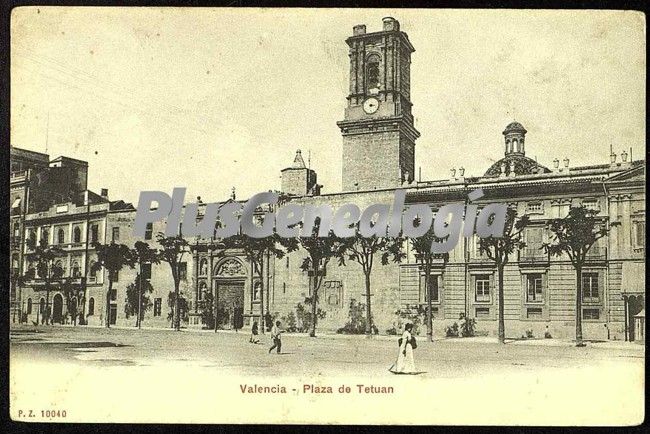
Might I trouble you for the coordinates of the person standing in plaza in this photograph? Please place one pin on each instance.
(405, 363)
(254, 332)
(276, 337)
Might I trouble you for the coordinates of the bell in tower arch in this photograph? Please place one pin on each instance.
(372, 74)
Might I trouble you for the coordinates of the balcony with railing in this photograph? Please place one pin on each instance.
(534, 255)
(18, 176)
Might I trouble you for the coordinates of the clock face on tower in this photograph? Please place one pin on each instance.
(370, 105)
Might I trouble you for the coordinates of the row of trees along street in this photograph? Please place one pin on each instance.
(572, 236)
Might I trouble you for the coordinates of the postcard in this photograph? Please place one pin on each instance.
(327, 216)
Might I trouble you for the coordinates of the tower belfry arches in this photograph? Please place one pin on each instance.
(378, 128)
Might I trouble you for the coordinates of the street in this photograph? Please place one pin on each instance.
(163, 375)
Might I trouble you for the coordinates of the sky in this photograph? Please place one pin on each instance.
(211, 99)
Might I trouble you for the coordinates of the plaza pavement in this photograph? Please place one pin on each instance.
(538, 381)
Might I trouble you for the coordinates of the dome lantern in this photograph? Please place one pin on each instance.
(514, 136)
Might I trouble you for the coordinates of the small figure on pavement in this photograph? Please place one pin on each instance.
(276, 337)
(405, 363)
(254, 332)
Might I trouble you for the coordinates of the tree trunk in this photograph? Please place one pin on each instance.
(427, 288)
(177, 316)
(108, 303)
(502, 325)
(262, 318)
(368, 309)
(312, 333)
(46, 314)
(579, 342)
(139, 320)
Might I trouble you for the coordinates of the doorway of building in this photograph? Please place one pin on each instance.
(230, 303)
(635, 304)
(57, 309)
(113, 316)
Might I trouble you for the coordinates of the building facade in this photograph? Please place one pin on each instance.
(379, 137)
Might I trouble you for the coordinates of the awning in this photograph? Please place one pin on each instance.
(16, 203)
(633, 278)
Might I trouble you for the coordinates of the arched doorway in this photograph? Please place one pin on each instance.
(229, 282)
(57, 308)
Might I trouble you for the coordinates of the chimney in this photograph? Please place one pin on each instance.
(390, 24)
(104, 193)
(359, 29)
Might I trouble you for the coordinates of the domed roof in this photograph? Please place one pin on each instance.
(514, 126)
(522, 166)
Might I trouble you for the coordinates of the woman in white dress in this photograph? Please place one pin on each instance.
(405, 363)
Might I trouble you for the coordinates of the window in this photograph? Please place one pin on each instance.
(116, 234)
(58, 268)
(148, 232)
(639, 234)
(591, 313)
(534, 312)
(203, 269)
(91, 306)
(482, 312)
(116, 275)
(433, 287)
(534, 240)
(94, 233)
(45, 235)
(41, 305)
(182, 270)
(16, 229)
(482, 286)
(76, 235)
(60, 236)
(534, 207)
(113, 294)
(284, 287)
(93, 272)
(287, 266)
(157, 306)
(534, 288)
(29, 306)
(32, 236)
(257, 286)
(146, 271)
(76, 270)
(590, 287)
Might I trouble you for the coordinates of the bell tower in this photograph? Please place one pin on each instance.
(378, 131)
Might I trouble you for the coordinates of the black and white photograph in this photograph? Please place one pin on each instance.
(327, 216)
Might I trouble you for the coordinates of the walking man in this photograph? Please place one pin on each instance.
(275, 336)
